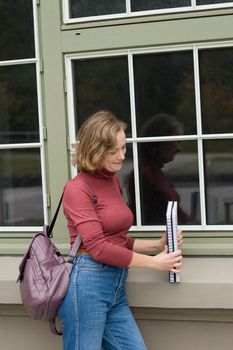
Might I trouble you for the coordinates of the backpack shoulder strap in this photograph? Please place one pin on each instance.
(49, 229)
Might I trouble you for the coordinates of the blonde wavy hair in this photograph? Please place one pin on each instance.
(96, 136)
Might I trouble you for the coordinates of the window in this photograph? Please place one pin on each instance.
(22, 181)
(86, 10)
(177, 102)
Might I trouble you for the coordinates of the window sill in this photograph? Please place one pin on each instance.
(205, 284)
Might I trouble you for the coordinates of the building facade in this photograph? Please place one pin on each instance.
(148, 62)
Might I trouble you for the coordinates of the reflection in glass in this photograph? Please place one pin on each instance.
(139, 5)
(86, 8)
(216, 80)
(20, 188)
(164, 83)
(123, 174)
(18, 104)
(218, 155)
(102, 83)
(165, 174)
(209, 2)
(16, 28)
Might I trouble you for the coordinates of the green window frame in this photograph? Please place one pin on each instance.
(201, 136)
(23, 174)
(158, 30)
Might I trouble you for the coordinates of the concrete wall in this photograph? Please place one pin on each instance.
(195, 314)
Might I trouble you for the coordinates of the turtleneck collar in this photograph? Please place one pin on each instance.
(105, 174)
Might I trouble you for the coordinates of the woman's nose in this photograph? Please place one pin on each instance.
(121, 155)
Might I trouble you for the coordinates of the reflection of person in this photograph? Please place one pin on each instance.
(95, 310)
(156, 189)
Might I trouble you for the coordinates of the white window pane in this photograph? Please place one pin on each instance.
(209, 2)
(87, 8)
(20, 188)
(218, 155)
(125, 172)
(168, 170)
(139, 5)
(165, 91)
(16, 28)
(18, 104)
(216, 82)
(164, 83)
(102, 83)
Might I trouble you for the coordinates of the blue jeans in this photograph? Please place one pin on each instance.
(94, 312)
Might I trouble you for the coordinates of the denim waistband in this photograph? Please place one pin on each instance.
(86, 262)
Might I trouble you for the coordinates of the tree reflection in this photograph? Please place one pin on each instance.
(216, 84)
(17, 31)
(18, 104)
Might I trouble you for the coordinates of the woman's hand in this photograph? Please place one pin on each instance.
(168, 261)
(163, 261)
(154, 246)
(163, 239)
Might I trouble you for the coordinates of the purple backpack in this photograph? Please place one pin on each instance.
(44, 275)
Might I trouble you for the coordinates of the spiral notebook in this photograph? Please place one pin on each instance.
(171, 219)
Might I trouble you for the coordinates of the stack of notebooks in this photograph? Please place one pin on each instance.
(171, 219)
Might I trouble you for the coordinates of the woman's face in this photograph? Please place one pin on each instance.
(113, 158)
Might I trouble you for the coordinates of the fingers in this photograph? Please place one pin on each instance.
(169, 261)
(179, 238)
(176, 253)
(176, 262)
(175, 270)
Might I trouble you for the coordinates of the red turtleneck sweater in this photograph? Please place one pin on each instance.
(103, 226)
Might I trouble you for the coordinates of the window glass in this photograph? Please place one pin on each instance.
(165, 107)
(216, 80)
(139, 5)
(209, 2)
(164, 83)
(129, 185)
(16, 28)
(20, 188)
(90, 8)
(126, 170)
(86, 8)
(218, 155)
(18, 104)
(102, 83)
(168, 170)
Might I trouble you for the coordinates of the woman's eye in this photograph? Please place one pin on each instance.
(114, 151)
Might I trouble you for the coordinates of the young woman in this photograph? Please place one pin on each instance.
(95, 311)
